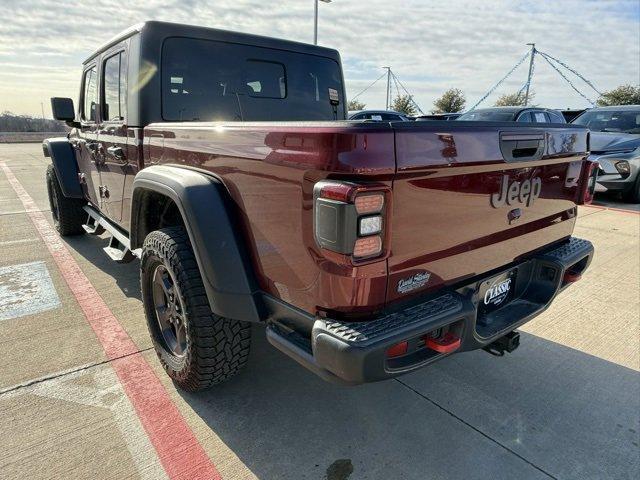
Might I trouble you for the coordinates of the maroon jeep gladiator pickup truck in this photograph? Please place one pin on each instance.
(223, 161)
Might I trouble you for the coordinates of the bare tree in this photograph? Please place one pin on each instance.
(10, 122)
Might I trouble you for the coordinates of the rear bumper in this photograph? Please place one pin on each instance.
(356, 352)
(615, 182)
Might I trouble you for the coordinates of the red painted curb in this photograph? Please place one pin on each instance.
(179, 451)
(613, 209)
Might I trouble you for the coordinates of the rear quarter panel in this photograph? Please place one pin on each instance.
(269, 170)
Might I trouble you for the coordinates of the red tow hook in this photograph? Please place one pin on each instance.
(570, 277)
(447, 343)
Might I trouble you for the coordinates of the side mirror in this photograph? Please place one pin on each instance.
(62, 109)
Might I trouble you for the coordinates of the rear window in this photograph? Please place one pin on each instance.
(205, 80)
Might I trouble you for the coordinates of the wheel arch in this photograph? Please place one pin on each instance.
(63, 157)
(163, 195)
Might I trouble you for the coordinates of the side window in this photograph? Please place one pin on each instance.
(540, 117)
(114, 88)
(524, 117)
(556, 117)
(90, 95)
(266, 79)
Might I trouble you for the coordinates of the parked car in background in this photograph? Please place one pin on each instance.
(615, 144)
(514, 114)
(570, 114)
(437, 116)
(378, 116)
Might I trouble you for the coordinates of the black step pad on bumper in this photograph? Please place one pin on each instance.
(365, 333)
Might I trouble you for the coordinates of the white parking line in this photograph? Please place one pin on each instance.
(105, 391)
(8, 243)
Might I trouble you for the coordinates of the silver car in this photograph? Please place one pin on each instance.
(615, 144)
(378, 116)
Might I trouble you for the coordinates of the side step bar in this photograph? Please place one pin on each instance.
(118, 249)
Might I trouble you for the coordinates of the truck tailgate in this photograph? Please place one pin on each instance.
(472, 197)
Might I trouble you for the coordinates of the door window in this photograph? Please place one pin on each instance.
(389, 117)
(524, 118)
(556, 117)
(90, 95)
(114, 88)
(540, 117)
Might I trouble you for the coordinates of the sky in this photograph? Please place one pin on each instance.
(431, 45)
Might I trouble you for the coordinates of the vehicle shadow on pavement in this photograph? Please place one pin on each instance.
(126, 275)
(544, 410)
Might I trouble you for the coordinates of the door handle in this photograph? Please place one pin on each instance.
(517, 147)
(116, 152)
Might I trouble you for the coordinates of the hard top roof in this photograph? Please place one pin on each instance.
(168, 29)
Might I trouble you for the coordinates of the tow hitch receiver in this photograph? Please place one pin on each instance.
(508, 343)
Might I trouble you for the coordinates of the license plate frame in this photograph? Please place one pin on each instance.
(502, 292)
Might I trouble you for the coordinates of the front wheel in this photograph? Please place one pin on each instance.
(68, 213)
(196, 347)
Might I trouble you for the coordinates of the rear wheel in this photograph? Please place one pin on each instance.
(68, 214)
(633, 195)
(196, 347)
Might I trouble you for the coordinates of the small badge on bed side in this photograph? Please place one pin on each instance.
(414, 282)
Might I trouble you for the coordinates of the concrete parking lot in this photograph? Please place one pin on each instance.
(80, 398)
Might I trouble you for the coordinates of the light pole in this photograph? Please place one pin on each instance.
(315, 20)
(533, 54)
(388, 86)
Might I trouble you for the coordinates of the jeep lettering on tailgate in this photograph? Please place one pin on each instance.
(525, 192)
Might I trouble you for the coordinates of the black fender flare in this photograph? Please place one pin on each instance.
(63, 157)
(208, 215)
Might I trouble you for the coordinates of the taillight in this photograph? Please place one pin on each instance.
(588, 180)
(367, 247)
(370, 203)
(349, 218)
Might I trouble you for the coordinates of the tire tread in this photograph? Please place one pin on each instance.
(218, 348)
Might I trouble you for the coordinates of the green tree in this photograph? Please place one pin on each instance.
(355, 105)
(622, 95)
(403, 104)
(514, 99)
(451, 101)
